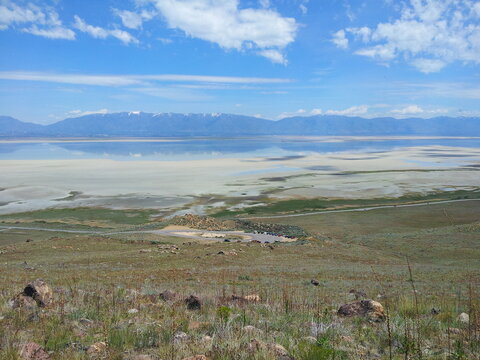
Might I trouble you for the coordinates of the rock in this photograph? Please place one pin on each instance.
(463, 318)
(314, 282)
(371, 309)
(193, 303)
(38, 291)
(277, 350)
(22, 301)
(168, 295)
(33, 351)
(180, 337)
(196, 357)
(97, 349)
(133, 311)
(435, 311)
(207, 340)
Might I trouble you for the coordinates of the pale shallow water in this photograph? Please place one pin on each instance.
(275, 148)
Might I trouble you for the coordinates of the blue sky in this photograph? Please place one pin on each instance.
(269, 58)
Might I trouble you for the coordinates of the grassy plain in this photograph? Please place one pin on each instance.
(97, 279)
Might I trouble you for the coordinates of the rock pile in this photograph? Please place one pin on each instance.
(36, 293)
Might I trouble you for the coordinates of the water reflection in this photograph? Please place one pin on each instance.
(183, 149)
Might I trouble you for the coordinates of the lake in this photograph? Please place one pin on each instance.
(211, 148)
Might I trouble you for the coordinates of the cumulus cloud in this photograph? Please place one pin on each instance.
(351, 111)
(340, 39)
(32, 19)
(133, 20)
(102, 33)
(411, 109)
(417, 110)
(222, 22)
(429, 34)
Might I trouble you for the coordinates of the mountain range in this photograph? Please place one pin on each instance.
(140, 124)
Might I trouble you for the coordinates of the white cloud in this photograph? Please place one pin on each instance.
(299, 112)
(351, 111)
(224, 23)
(274, 55)
(128, 80)
(58, 32)
(133, 20)
(78, 113)
(363, 33)
(303, 6)
(32, 19)
(411, 109)
(417, 110)
(101, 33)
(303, 9)
(165, 41)
(340, 39)
(429, 34)
(76, 79)
(476, 9)
(428, 65)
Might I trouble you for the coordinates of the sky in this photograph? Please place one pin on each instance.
(265, 58)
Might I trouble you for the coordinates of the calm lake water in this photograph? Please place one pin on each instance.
(211, 148)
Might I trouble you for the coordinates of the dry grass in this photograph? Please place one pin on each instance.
(101, 278)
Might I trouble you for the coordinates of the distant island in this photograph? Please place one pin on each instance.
(140, 124)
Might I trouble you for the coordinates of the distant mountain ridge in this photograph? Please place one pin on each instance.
(140, 124)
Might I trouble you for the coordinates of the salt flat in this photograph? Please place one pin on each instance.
(173, 185)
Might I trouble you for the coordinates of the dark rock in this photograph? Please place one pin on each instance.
(36, 293)
(39, 291)
(435, 311)
(193, 303)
